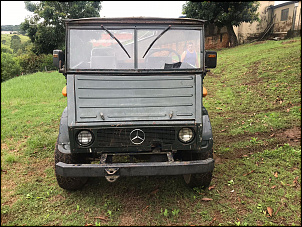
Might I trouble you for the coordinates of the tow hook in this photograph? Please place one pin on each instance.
(111, 172)
(170, 157)
(111, 177)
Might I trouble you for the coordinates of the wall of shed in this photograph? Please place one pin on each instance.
(284, 26)
(246, 32)
(217, 38)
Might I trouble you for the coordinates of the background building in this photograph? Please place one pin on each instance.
(283, 20)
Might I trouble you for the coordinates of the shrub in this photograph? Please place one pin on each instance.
(10, 66)
(5, 49)
(31, 63)
(47, 62)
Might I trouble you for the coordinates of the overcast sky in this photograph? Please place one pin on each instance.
(14, 12)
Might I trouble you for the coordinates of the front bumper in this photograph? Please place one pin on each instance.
(135, 169)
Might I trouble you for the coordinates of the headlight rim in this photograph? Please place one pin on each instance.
(189, 141)
(84, 145)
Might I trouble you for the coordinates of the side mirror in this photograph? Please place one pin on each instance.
(58, 58)
(211, 59)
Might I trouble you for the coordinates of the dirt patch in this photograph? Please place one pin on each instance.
(210, 74)
(128, 220)
(291, 136)
(57, 198)
(4, 146)
(289, 41)
(252, 74)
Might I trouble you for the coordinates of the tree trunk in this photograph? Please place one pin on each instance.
(232, 36)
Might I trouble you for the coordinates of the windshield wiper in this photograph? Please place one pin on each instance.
(113, 37)
(163, 32)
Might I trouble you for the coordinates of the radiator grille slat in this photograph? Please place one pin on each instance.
(121, 137)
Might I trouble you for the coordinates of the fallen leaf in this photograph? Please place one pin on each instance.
(212, 221)
(102, 218)
(270, 211)
(276, 174)
(145, 208)
(278, 209)
(248, 173)
(295, 182)
(154, 192)
(206, 199)
(211, 187)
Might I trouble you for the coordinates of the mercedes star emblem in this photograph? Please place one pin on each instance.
(137, 136)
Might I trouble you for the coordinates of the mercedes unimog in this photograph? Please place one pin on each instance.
(135, 92)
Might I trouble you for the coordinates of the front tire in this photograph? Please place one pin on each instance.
(202, 180)
(69, 183)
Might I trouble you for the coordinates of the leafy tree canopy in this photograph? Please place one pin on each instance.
(10, 27)
(221, 14)
(46, 27)
(15, 43)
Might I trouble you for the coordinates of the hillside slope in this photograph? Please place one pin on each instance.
(254, 104)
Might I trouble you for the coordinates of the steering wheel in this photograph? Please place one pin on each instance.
(152, 51)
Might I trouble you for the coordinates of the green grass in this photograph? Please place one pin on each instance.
(254, 104)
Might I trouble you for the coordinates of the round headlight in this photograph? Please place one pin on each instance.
(84, 138)
(186, 135)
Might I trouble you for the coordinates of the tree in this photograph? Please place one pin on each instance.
(15, 43)
(46, 27)
(221, 14)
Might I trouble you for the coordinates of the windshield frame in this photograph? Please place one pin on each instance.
(135, 28)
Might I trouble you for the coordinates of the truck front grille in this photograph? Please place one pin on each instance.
(120, 137)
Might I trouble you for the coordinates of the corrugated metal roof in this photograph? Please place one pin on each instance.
(284, 4)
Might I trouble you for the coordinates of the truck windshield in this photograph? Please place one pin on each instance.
(115, 49)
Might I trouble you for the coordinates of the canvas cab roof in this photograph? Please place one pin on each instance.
(135, 20)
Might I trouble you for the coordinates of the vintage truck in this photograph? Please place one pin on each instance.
(134, 90)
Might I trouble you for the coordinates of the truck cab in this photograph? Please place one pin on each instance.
(134, 101)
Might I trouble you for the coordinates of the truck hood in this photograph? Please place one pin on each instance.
(104, 98)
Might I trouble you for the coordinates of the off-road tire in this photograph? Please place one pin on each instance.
(69, 183)
(202, 180)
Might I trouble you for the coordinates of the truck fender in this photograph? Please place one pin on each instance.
(207, 135)
(63, 137)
